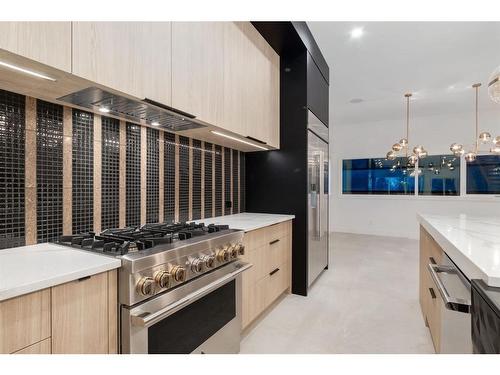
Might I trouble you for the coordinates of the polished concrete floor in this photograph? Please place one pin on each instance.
(367, 302)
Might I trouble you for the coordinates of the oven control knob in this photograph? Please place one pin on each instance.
(209, 260)
(162, 278)
(223, 254)
(179, 273)
(145, 286)
(233, 251)
(197, 265)
(241, 249)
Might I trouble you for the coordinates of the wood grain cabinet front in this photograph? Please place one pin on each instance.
(42, 347)
(131, 57)
(251, 84)
(198, 69)
(81, 312)
(24, 321)
(430, 301)
(45, 42)
(269, 250)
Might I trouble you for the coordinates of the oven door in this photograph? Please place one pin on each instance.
(202, 316)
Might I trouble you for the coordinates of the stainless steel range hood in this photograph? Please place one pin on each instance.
(146, 110)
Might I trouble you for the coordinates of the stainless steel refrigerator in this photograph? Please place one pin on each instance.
(317, 192)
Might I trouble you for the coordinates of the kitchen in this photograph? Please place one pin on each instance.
(228, 187)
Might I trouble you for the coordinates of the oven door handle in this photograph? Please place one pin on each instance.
(147, 319)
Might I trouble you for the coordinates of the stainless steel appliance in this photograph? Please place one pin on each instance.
(485, 315)
(179, 286)
(455, 292)
(318, 192)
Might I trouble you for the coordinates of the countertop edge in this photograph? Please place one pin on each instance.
(58, 280)
(263, 225)
(464, 263)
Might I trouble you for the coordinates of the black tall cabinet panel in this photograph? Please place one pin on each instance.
(317, 91)
(276, 181)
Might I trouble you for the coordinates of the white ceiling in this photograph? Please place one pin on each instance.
(437, 61)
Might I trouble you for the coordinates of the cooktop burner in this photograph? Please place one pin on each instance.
(120, 241)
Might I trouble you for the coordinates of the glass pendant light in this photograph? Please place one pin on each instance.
(496, 140)
(419, 151)
(397, 147)
(494, 85)
(484, 137)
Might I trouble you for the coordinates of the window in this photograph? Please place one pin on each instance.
(439, 175)
(377, 176)
(483, 175)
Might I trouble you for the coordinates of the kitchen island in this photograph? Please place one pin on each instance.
(471, 242)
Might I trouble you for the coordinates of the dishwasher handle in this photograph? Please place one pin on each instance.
(450, 302)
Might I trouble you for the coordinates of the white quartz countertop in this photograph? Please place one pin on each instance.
(247, 221)
(27, 269)
(472, 243)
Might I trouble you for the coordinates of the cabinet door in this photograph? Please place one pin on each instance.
(45, 42)
(131, 57)
(251, 84)
(198, 69)
(24, 321)
(317, 91)
(80, 316)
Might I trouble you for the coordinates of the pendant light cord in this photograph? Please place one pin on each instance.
(476, 143)
(407, 123)
(477, 122)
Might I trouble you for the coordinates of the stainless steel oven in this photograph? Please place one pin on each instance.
(202, 316)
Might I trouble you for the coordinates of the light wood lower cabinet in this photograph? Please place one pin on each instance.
(269, 250)
(430, 301)
(77, 317)
(24, 320)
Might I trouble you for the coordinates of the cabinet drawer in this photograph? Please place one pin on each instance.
(24, 320)
(255, 239)
(433, 311)
(42, 347)
(278, 252)
(277, 283)
(259, 261)
(278, 231)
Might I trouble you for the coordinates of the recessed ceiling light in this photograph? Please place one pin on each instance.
(104, 109)
(26, 71)
(357, 32)
(238, 140)
(155, 123)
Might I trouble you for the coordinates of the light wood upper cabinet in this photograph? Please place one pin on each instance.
(46, 42)
(251, 84)
(131, 57)
(80, 316)
(198, 70)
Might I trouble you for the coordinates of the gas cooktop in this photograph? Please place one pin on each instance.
(121, 241)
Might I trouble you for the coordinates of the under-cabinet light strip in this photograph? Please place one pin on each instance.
(26, 71)
(238, 140)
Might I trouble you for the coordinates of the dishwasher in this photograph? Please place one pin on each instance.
(455, 292)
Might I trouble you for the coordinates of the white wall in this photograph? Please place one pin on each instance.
(396, 215)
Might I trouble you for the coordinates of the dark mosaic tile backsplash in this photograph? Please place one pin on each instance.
(49, 173)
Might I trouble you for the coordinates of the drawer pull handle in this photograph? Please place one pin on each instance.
(273, 271)
(432, 260)
(84, 278)
(433, 294)
(273, 242)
